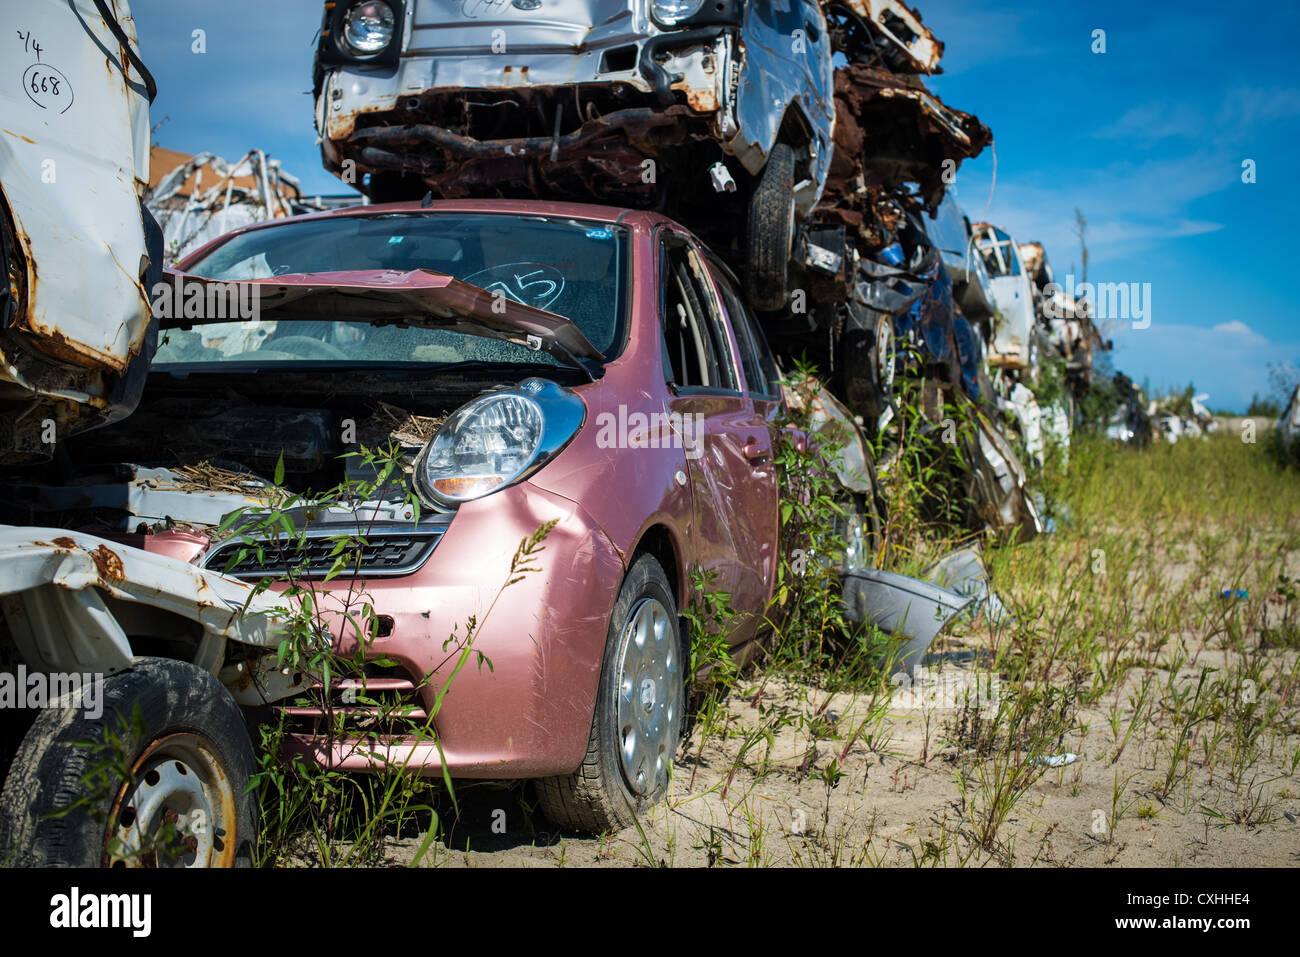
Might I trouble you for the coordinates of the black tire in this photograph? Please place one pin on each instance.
(771, 231)
(597, 796)
(866, 355)
(183, 709)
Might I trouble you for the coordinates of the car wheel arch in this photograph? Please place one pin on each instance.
(659, 541)
(796, 131)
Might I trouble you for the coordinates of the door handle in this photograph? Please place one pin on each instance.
(755, 452)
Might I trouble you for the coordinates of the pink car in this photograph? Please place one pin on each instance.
(590, 366)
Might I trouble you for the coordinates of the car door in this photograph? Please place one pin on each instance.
(763, 387)
(788, 64)
(729, 463)
(1011, 338)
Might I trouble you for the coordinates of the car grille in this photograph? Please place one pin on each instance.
(382, 554)
(385, 701)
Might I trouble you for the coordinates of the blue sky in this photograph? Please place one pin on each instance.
(1147, 139)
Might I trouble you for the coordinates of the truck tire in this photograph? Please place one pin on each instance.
(190, 758)
(637, 724)
(771, 231)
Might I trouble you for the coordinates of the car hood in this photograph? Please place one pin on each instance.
(420, 298)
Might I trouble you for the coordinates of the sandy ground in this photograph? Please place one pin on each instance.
(763, 798)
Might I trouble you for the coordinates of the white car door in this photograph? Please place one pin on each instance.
(1015, 300)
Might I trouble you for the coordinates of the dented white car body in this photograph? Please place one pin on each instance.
(70, 600)
(1012, 343)
(78, 247)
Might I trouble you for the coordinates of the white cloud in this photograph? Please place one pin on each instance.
(1236, 327)
(1241, 111)
(1131, 204)
(1230, 360)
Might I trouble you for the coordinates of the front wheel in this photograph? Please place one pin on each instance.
(637, 725)
(186, 802)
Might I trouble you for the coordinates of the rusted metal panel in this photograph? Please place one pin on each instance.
(901, 26)
(73, 165)
(889, 127)
(54, 583)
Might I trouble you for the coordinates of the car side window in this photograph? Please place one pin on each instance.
(761, 373)
(695, 342)
(1011, 261)
(999, 253)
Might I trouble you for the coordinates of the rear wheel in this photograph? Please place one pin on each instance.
(638, 719)
(771, 231)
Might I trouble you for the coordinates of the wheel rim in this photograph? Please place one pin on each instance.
(178, 780)
(855, 539)
(649, 698)
(885, 355)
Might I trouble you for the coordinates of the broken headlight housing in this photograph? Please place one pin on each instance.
(368, 27)
(672, 12)
(497, 440)
(697, 13)
(361, 31)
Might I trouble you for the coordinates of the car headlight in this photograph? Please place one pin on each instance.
(670, 12)
(496, 440)
(368, 27)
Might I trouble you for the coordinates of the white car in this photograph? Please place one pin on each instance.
(76, 335)
(78, 612)
(1012, 344)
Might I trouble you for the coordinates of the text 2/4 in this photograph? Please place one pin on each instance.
(30, 44)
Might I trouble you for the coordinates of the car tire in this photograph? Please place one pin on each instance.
(637, 725)
(771, 231)
(190, 752)
(870, 357)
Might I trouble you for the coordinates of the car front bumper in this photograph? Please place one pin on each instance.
(542, 628)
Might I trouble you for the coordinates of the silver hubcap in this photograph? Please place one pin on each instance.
(178, 782)
(649, 698)
(855, 540)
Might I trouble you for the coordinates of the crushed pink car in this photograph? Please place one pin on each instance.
(588, 366)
